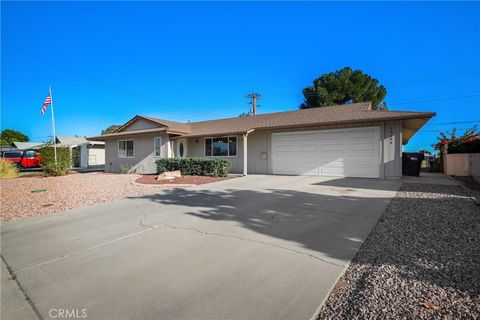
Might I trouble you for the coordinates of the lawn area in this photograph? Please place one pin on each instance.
(421, 260)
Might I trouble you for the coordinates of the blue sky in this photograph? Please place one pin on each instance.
(107, 61)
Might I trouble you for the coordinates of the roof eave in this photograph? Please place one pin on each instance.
(126, 133)
(218, 134)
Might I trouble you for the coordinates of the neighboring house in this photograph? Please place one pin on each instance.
(345, 141)
(70, 141)
(7, 148)
(92, 153)
(27, 145)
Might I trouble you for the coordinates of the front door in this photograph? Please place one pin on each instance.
(181, 148)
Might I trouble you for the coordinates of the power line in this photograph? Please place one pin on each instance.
(434, 77)
(102, 83)
(456, 122)
(448, 95)
(444, 130)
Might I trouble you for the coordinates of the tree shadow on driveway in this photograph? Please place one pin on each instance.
(335, 226)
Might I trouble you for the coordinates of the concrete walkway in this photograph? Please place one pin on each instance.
(256, 247)
(14, 303)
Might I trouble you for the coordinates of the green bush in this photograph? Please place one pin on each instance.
(76, 157)
(48, 160)
(195, 166)
(7, 169)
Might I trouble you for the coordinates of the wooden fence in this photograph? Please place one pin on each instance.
(462, 164)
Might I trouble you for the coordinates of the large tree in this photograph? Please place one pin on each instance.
(111, 129)
(342, 87)
(8, 136)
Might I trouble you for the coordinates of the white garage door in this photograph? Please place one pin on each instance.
(341, 152)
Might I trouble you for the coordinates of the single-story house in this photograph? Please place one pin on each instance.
(345, 141)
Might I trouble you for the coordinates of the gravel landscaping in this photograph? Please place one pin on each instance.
(421, 261)
(185, 180)
(64, 193)
(472, 184)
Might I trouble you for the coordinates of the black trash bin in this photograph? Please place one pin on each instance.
(411, 163)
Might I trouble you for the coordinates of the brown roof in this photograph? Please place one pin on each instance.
(342, 114)
(169, 125)
(353, 113)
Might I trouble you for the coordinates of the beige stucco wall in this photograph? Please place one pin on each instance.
(392, 149)
(196, 148)
(143, 160)
(141, 124)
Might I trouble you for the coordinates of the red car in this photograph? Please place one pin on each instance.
(23, 159)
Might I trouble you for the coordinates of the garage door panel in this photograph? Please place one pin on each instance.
(332, 171)
(362, 147)
(342, 152)
(361, 134)
(325, 159)
(325, 148)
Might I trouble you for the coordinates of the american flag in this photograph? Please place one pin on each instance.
(47, 101)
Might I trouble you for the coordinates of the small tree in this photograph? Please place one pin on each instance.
(111, 129)
(342, 87)
(49, 167)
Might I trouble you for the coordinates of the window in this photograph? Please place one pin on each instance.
(157, 146)
(125, 148)
(221, 147)
(30, 154)
(12, 155)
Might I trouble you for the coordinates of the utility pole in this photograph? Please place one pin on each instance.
(253, 103)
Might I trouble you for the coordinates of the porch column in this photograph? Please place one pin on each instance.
(245, 145)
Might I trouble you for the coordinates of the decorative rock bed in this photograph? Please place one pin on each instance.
(421, 261)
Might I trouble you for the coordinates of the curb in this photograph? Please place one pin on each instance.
(164, 185)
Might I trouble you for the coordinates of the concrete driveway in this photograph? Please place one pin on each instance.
(256, 247)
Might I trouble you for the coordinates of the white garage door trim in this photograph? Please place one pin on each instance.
(353, 152)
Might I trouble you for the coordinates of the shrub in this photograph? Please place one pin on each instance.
(469, 142)
(125, 168)
(76, 157)
(195, 166)
(7, 169)
(48, 160)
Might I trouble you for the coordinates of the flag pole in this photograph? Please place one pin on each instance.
(53, 126)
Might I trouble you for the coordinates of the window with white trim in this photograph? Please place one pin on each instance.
(157, 146)
(125, 149)
(221, 147)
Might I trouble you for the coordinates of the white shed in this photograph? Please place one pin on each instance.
(92, 153)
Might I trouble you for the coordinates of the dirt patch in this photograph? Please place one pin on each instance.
(66, 192)
(152, 179)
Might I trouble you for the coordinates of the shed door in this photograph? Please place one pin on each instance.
(341, 152)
